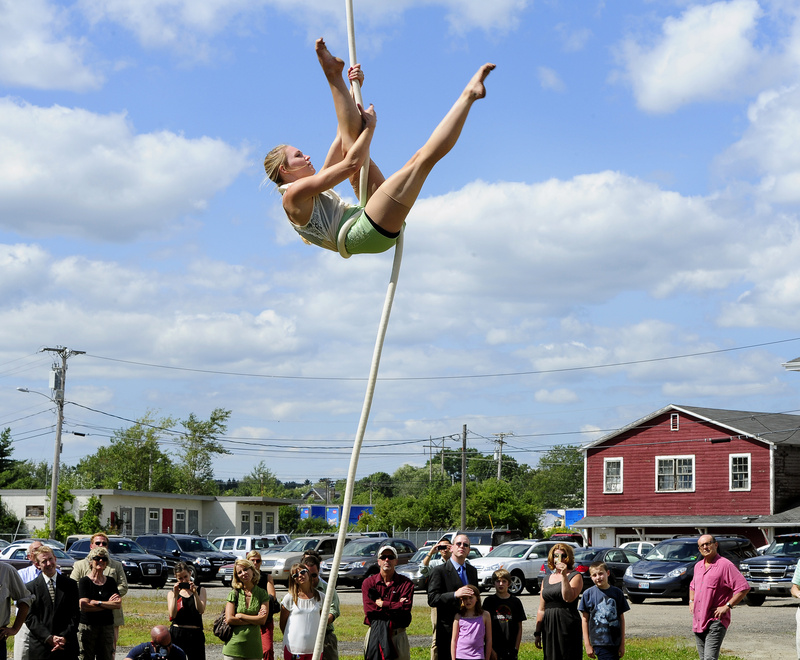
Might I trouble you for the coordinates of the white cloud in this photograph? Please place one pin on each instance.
(706, 54)
(72, 172)
(573, 39)
(549, 79)
(557, 396)
(35, 52)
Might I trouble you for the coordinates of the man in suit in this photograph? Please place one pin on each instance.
(21, 648)
(446, 587)
(54, 615)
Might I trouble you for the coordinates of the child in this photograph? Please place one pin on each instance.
(507, 614)
(472, 630)
(603, 608)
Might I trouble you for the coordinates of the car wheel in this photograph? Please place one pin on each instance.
(756, 600)
(516, 584)
(193, 575)
(636, 600)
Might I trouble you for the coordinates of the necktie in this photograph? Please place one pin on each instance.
(51, 585)
(462, 573)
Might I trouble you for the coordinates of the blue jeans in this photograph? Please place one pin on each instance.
(606, 652)
(709, 642)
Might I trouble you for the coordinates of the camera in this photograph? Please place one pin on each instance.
(185, 585)
(159, 654)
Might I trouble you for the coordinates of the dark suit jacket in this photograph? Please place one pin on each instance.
(47, 618)
(442, 585)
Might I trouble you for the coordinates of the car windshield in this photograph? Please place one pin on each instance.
(420, 555)
(585, 554)
(509, 550)
(780, 546)
(674, 551)
(196, 545)
(123, 547)
(362, 548)
(300, 545)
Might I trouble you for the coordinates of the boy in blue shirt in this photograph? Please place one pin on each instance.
(603, 608)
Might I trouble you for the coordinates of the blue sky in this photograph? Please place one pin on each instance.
(628, 191)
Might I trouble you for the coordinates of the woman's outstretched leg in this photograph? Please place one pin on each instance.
(347, 114)
(391, 202)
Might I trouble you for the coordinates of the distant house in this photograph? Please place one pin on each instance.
(690, 470)
(132, 513)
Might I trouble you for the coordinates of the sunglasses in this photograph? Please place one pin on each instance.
(101, 559)
(101, 543)
(461, 544)
(313, 575)
(256, 561)
(302, 571)
(387, 558)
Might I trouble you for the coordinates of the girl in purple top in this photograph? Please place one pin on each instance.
(472, 629)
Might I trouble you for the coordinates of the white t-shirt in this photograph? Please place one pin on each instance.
(302, 624)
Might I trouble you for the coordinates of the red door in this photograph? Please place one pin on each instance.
(166, 521)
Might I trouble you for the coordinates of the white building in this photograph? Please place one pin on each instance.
(134, 512)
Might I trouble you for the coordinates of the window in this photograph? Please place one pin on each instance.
(740, 471)
(612, 475)
(34, 510)
(674, 422)
(674, 473)
(245, 522)
(269, 523)
(256, 522)
(152, 523)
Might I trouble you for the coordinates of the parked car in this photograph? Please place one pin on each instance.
(618, 561)
(770, 574)
(279, 563)
(573, 537)
(241, 545)
(140, 567)
(360, 559)
(486, 541)
(412, 569)
(520, 558)
(202, 557)
(666, 571)
(17, 554)
(639, 547)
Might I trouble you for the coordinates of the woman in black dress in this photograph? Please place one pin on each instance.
(558, 624)
(99, 596)
(186, 604)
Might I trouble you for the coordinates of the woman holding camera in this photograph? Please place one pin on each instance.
(99, 597)
(185, 605)
(558, 625)
(246, 611)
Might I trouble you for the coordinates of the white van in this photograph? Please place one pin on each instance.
(241, 545)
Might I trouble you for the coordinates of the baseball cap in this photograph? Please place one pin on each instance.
(387, 548)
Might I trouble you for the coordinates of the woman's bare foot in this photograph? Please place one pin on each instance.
(475, 89)
(331, 66)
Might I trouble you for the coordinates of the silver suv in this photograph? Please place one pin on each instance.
(279, 563)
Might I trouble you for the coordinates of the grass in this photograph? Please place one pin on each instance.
(149, 608)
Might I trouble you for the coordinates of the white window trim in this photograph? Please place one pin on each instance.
(675, 458)
(606, 461)
(675, 422)
(749, 472)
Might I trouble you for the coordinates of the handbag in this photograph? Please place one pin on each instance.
(274, 606)
(222, 628)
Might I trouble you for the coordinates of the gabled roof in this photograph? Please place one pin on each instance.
(769, 428)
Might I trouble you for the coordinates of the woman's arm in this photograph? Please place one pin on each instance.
(571, 587)
(284, 618)
(172, 603)
(537, 632)
(200, 599)
(487, 645)
(454, 638)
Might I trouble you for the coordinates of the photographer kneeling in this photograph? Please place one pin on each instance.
(159, 648)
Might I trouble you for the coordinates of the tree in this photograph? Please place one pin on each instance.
(199, 445)
(260, 482)
(66, 523)
(375, 486)
(133, 458)
(20, 474)
(288, 517)
(9, 523)
(90, 520)
(557, 482)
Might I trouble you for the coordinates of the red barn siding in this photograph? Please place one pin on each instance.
(711, 496)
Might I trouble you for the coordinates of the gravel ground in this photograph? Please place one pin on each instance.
(756, 633)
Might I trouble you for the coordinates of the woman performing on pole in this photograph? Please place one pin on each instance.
(317, 213)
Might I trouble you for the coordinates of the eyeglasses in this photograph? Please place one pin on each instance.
(302, 571)
(461, 544)
(101, 559)
(100, 543)
(387, 558)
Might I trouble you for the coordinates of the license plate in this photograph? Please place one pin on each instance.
(644, 585)
(151, 571)
(763, 587)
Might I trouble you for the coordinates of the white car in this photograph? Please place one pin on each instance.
(639, 547)
(522, 559)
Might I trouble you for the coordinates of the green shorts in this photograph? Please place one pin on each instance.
(365, 237)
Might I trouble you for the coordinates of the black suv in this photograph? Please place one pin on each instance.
(666, 571)
(360, 559)
(203, 558)
(140, 567)
(771, 574)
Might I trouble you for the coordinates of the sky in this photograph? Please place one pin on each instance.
(616, 230)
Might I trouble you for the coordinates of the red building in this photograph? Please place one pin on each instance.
(687, 470)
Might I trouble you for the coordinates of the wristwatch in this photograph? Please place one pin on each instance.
(730, 605)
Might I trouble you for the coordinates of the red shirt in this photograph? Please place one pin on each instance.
(390, 594)
(713, 586)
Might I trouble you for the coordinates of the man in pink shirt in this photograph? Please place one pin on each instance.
(717, 586)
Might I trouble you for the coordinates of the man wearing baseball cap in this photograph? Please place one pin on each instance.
(388, 598)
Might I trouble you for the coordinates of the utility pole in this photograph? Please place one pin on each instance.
(58, 382)
(499, 452)
(464, 478)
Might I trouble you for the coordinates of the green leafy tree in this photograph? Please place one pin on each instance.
(288, 518)
(314, 526)
(133, 457)
(199, 444)
(376, 486)
(9, 523)
(66, 523)
(90, 520)
(409, 480)
(260, 482)
(557, 481)
(32, 475)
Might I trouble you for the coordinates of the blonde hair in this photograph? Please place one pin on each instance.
(273, 162)
(253, 554)
(235, 582)
(294, 588)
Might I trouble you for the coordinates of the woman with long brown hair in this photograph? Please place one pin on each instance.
(300, 612)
